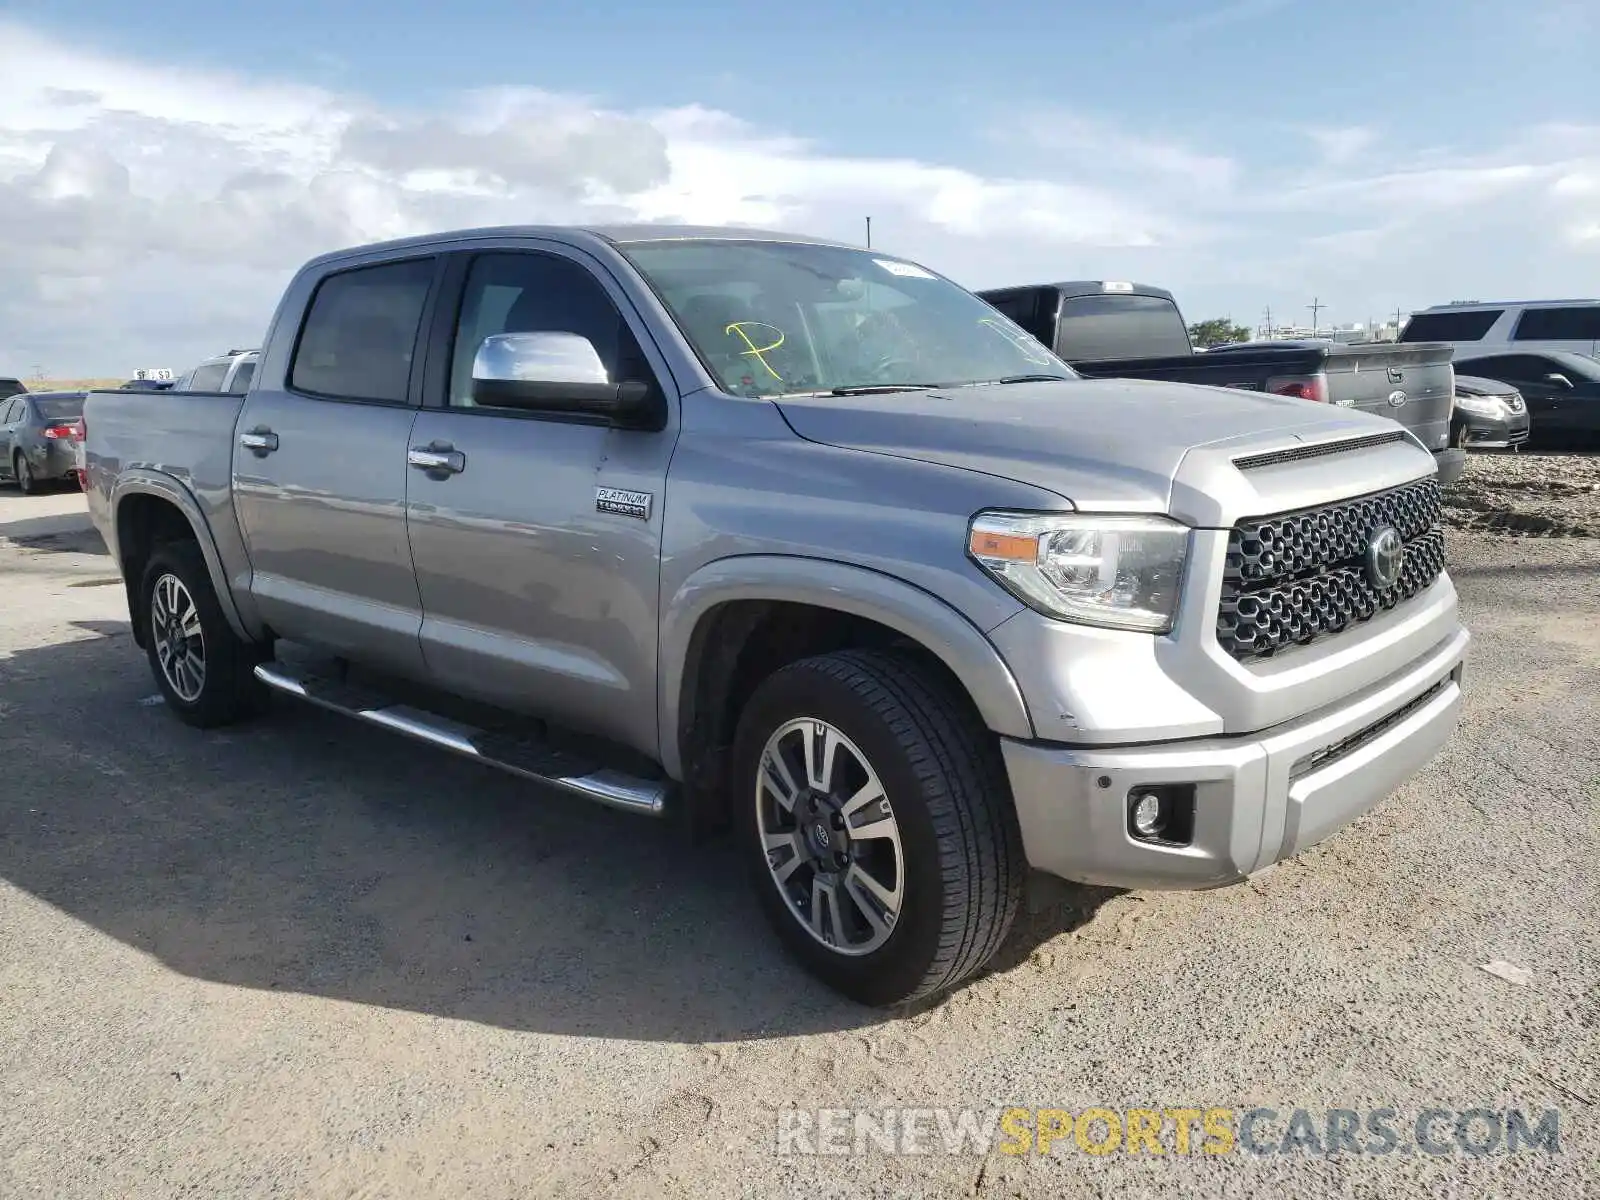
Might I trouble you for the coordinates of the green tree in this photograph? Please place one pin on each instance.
(1217, 332)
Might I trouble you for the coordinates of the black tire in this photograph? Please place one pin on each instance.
(941, 771)
(229, 691)
(22, 472)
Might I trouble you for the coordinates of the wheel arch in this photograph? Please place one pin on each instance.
(788, 608)
(147, 509)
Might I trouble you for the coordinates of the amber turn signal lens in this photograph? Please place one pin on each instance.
(1014, 547)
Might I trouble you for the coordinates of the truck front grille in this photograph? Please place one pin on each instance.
(1294, 577)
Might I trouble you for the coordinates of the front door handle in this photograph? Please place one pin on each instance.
(438, 459)
(260, 441)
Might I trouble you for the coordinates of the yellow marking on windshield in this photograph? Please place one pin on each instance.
(756, 352)
(1027, 345)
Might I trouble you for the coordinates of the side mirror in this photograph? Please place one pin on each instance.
(1558, 379)
(558, 373)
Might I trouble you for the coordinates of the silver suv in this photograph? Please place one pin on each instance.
(1476, 329)
(230, 372)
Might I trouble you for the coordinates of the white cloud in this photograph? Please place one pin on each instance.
(149, 218)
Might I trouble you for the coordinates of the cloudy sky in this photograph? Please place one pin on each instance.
(165, 166)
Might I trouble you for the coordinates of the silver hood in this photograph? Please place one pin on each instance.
(1104, 445)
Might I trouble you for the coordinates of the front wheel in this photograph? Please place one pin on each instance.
(877, 822)
(22, 472)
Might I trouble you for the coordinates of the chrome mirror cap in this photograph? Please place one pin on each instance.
(538, 358)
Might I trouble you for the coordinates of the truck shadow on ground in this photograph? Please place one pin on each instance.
(62, 534)
(306, 853)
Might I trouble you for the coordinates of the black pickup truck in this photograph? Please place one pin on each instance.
(1115, 330)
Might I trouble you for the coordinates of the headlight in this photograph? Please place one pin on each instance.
(1116, 572)
(1483, 406)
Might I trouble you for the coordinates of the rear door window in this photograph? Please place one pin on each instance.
(1120, 326)
(1577, 324)
(1469, 326)
(360, 333)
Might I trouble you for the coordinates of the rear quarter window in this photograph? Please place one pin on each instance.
(1578, 324)
(1450, 326)
(242, 377)
(208, 377)
(1032, 309)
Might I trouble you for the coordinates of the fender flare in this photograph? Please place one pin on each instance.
(139, 481)
(860, 591)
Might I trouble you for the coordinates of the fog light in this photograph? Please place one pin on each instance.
(1149, 817)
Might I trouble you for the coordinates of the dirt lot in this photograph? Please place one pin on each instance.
(304, 958)
(1537, 495)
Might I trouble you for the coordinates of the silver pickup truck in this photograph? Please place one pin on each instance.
(806, 540)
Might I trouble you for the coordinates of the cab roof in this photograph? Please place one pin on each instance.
(621, 234)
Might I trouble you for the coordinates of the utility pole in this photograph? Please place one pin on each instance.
(1315, 306)
(1267, 334)
(38, 371)
(869, 233)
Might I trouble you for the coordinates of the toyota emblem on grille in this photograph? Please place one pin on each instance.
(1396, 375)
(1385, 556)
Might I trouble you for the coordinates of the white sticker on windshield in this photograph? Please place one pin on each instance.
(908, 270)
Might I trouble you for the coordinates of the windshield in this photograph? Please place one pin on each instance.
(59, 408)
(780, 318)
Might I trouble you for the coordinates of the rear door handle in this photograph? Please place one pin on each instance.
(260, 441)
(438, 459)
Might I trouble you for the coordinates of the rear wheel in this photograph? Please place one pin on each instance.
(204, 669)
(876, 819)
(22, 472)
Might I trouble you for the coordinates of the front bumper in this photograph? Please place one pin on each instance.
(1477, 432)
(1258, 799)
(1452, 464)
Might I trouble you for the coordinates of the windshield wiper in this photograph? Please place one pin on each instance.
(1035, 379)
(878, 389)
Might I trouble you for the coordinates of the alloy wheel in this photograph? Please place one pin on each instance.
(180, 644)
(829, 833)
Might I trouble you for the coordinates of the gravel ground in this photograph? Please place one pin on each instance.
(1530, 495)
(305, 958)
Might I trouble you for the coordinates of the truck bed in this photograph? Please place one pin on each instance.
(1412, 385)
(1249, 369)
(187, 436)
